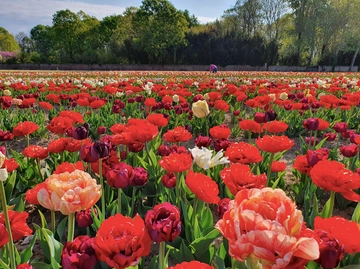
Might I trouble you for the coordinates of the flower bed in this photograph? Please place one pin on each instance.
(180, 169)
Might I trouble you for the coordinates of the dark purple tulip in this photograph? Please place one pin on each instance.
(101, 130)
(3, 150)
(100, 149)
(131, 100)
(288, 106)
(270, 115)
(86, 156)
(331, 252)
(163, 150)
(116, 109)
(81, 132)
(311, 124)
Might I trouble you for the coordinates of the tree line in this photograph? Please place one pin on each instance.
(251, 32)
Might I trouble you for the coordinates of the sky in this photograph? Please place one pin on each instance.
(21, 15)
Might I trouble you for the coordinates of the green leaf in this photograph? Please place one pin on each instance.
(27, 253)
(43, 220)
(201, 245)
(206, 219)
(9, 187)
(41, 265)
(154, 263)
(61, 228)
(352, 266)
(4, 265)
(50, 246)
(185, 253)
(356, 215)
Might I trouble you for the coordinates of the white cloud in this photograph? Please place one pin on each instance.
(44, 9)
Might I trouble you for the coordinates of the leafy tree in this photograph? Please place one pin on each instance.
(7, 41)
(26, 47)
(44, 43)
(160, 30)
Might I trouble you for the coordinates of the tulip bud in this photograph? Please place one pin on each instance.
(100, 150)
(120, 176)
(223, 206)
(200, 109)
(311, 124)
(203, 141)
(3, 174)
(81, 132)
(221, 144)
(314, 156)
(259, 117)
(169, 180)
(341, 127)
(349, 151)
(331, 252)
(311, 141)
(136, 147)
(163, 150)
(101, 130)
(140, 177)
(330, 136)
(84, 218)
(2, 158)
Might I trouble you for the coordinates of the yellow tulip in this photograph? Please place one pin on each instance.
(200, 109)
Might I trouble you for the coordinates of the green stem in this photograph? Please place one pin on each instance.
(162, 264)
(269, 169)
(178, 190)
(206, 126)
(103, 190)
(133, 198)
(8, 226)
(195, 224)
(52, 214)
(71, 227)
(332, 202)
(119, 201)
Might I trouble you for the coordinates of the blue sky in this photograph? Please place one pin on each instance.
(22, 15)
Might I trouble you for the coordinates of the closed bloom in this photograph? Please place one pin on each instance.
(163, 222)
(120, 176)
(204, 158)
(203, 141)
(265, 225)
(3, 171)
(169, 180)
(24, 266)
(81, 132)
(79, 253)
(203, 187)
(333, 176)
(311, 124)
(84, 218)
(122, 241)
(200, 109)
(274, 144)
(349, 151)
(140, 177)
(69, 192)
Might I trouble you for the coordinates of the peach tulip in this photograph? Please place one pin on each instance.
(69, 192)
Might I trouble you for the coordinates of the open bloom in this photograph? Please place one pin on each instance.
(242, 152)
(69, 192)
(204, 157)
(274, 144)
(238, 176)
(19, 227)
(333, 176)
(265, 225)
(122, 241)
(191, 265)
(176, 162)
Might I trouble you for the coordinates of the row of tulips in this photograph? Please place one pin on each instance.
(192, 164)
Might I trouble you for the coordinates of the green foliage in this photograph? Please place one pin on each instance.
(7, 41)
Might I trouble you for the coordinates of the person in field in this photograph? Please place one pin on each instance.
(213, 68)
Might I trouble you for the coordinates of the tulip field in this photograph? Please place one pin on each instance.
(178, 170)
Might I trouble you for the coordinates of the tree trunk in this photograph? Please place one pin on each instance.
(354, 58)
